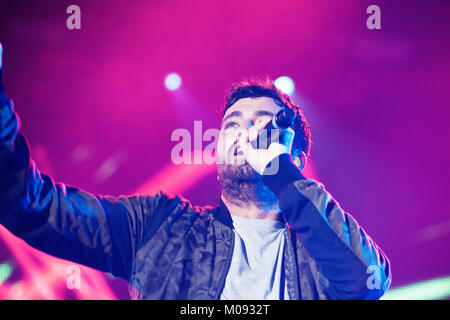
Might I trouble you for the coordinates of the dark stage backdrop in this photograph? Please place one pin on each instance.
(97, 114)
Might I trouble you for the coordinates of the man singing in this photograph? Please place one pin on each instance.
(274, 235)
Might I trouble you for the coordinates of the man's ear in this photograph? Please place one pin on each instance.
(300, 160)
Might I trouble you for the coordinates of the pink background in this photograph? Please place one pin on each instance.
(97, 116)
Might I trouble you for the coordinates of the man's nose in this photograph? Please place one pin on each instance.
(246, 128)
(252, 131)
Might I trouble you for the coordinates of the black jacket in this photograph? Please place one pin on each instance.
(168, 249)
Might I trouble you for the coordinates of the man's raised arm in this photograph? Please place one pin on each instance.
(351, 264)
(98, 231)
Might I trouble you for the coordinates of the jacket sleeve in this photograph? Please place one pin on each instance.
(101, 232)
(351, 264)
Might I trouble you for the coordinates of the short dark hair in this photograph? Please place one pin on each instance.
(255, 88)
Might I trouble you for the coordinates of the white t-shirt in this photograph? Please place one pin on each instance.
(257, 270)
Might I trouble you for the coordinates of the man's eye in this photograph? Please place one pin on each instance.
(230, 124)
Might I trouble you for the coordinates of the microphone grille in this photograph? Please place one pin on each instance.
(284, 118)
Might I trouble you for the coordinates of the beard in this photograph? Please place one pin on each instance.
(242, 186)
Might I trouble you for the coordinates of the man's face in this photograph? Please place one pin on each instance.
(246, 116)
(241, 184)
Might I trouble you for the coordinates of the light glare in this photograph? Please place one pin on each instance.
(285, 84)
(172, 81)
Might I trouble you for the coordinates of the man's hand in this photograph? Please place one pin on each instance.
(260, 158)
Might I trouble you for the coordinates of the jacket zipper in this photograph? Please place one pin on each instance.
(293, 256)
(226, 268)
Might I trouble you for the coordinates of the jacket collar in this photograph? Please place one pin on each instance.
(222, 214)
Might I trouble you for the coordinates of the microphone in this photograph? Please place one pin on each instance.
(282, 120)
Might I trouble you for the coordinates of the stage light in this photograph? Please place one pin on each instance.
(5, 272)
(433, 289)
(172, 81)
(285, 84)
